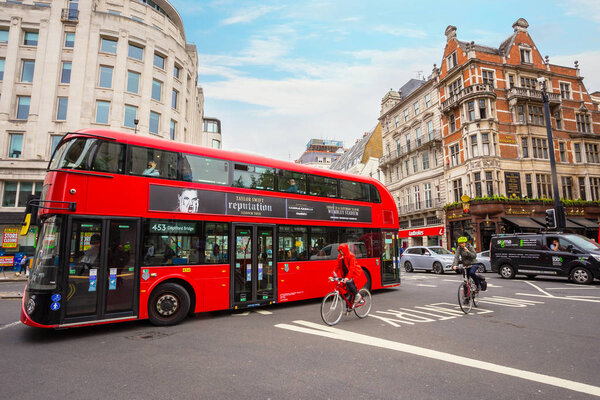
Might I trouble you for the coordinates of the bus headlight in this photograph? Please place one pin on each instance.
(30, 306)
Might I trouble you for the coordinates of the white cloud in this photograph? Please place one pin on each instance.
(248, 15)
(588, 9)
(401, 31)
(588, 65)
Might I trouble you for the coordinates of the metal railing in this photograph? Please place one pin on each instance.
(532, 94)
(413, 145)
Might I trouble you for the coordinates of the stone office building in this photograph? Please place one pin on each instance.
(495, 143)
(69, 64)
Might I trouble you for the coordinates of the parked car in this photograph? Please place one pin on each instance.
(548, 253)
(427, 258)
(483, 258)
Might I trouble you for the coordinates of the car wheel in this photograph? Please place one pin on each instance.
(507, 271)
(582, 276)
(481, 269)
(408, 266)
(437, 268)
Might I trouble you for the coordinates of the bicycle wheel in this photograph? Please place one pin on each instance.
(464, 298)
(332, 308)
(474, 293)
(363, 307)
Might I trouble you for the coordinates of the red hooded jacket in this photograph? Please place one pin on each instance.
(355, 272)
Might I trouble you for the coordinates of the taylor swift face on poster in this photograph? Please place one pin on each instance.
(188, 201)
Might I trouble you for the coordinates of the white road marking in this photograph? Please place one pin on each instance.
(264, 312)
(572, 288)
(9, 325)
(558, 298)
(339, 334)
(539, 288)
(425, 285)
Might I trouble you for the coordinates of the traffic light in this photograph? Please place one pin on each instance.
(550, 218)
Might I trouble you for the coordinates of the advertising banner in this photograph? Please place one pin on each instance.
(10, 238)
(430, 231)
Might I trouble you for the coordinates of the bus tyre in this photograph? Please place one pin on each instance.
(169, 304)
(408, 266)
(367, 285)
(437, 268)
(581, 275)
(507, 271)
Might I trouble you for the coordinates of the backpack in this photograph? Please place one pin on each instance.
(482, 283)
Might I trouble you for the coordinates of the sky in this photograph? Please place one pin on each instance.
(279, 73)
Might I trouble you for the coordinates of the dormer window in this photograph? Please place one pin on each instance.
(526, 56)
(452, 61)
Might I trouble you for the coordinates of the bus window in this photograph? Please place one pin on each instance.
(153, 162)
(375, 198)
(205, 170)
(322, 186)
(321, 240)
(109, 157)
(253, 177)
(356, 239)
(73, 154)
(291, 182)
(350, 190)
(46, 261)
(292, 243)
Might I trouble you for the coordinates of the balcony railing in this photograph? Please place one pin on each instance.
(519, 93)
(420, 206)
(433, 137)
(468, 92)
(69, 15)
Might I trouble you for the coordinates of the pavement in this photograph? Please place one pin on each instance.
(11, 276)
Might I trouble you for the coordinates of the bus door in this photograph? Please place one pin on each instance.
(390, 263)
(101, 279)
(253, 264)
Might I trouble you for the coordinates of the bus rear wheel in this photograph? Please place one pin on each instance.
(169, 304)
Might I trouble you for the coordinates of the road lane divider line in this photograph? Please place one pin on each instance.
(312, 328)
(540, 289)
(10, 325)
(557, 297)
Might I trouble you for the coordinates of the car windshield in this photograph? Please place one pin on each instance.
(583, 242)
(439, 250)
(45, 264)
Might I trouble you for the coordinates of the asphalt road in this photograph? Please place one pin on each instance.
(528, 339)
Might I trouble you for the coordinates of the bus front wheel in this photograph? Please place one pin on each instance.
(169, 304)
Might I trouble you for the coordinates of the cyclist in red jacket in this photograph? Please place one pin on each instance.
(350, 271)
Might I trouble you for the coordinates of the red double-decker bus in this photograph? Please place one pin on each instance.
(143, 228)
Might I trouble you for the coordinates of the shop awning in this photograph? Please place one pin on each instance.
(523, 222)
(583, 222)
(568, 223)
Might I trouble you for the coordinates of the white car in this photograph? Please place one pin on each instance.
(483, 258)
(428, 258)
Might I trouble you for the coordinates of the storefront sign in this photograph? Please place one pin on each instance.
(513, 184)
(192, 201)
(517, 211)
(10, 238)
(7, 261)
(508, 139)
(430, 231)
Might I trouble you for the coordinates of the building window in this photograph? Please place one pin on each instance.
(30, 39)
(159, 61)
(396, 121)
(565, 91)
(405, 115)
(216, 144)
(417, 197)
(418, 136)
(558, 118)
(567, 187)
(156, 89)
(69, 40)
(407, 141)
(2, 63)
(528, 83)
(54, 144)
(138, 19)
(525, 147)
(471, 110)
(452, 61)
(130, 116)
(582, 195)
(3, 35)
(455, 87)
(172, 129)
(211, 126)
(540, 148)
(102, 111)
(477, 182)
(536, 115)
(133, 82)
(416, 108)
(105, 80)
(430, 130)
(595, 188)
(529, 186)
(425, 160)
(526, 56)
(428, 197)
(406, 167)
(16, 193)
(16, 145)
(474, 147)
(398, 147)
(543, 185)
(562, 152)
(415, 163)
(521, 114)
(577, 150)
(485, 143)
(583, 123)
(174, 98)
(488, 77)
(27, 71)
(457, 189)
(154, 122)
(482, 109)
(511, 81)
(489, 183)
(452, 123)
(592, 153)
(108, 45)
(23, 103)
(454, 154)
(65, 75)
(61, 108)
(135, 52)
(176, 71)
(427, 100)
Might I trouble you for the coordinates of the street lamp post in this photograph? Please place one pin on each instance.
(559, 209)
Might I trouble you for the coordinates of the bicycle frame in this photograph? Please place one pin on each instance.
(341, 289)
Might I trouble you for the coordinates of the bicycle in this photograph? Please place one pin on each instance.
(467, 293)
(332, 306)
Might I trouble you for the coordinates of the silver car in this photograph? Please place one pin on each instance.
(428, 258)
(483, 258)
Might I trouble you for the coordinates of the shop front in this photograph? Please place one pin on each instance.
(429, 236)
(13, 245)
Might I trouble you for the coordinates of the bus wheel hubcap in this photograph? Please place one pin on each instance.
(166, 305)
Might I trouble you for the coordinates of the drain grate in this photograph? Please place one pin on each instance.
(149, 336)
